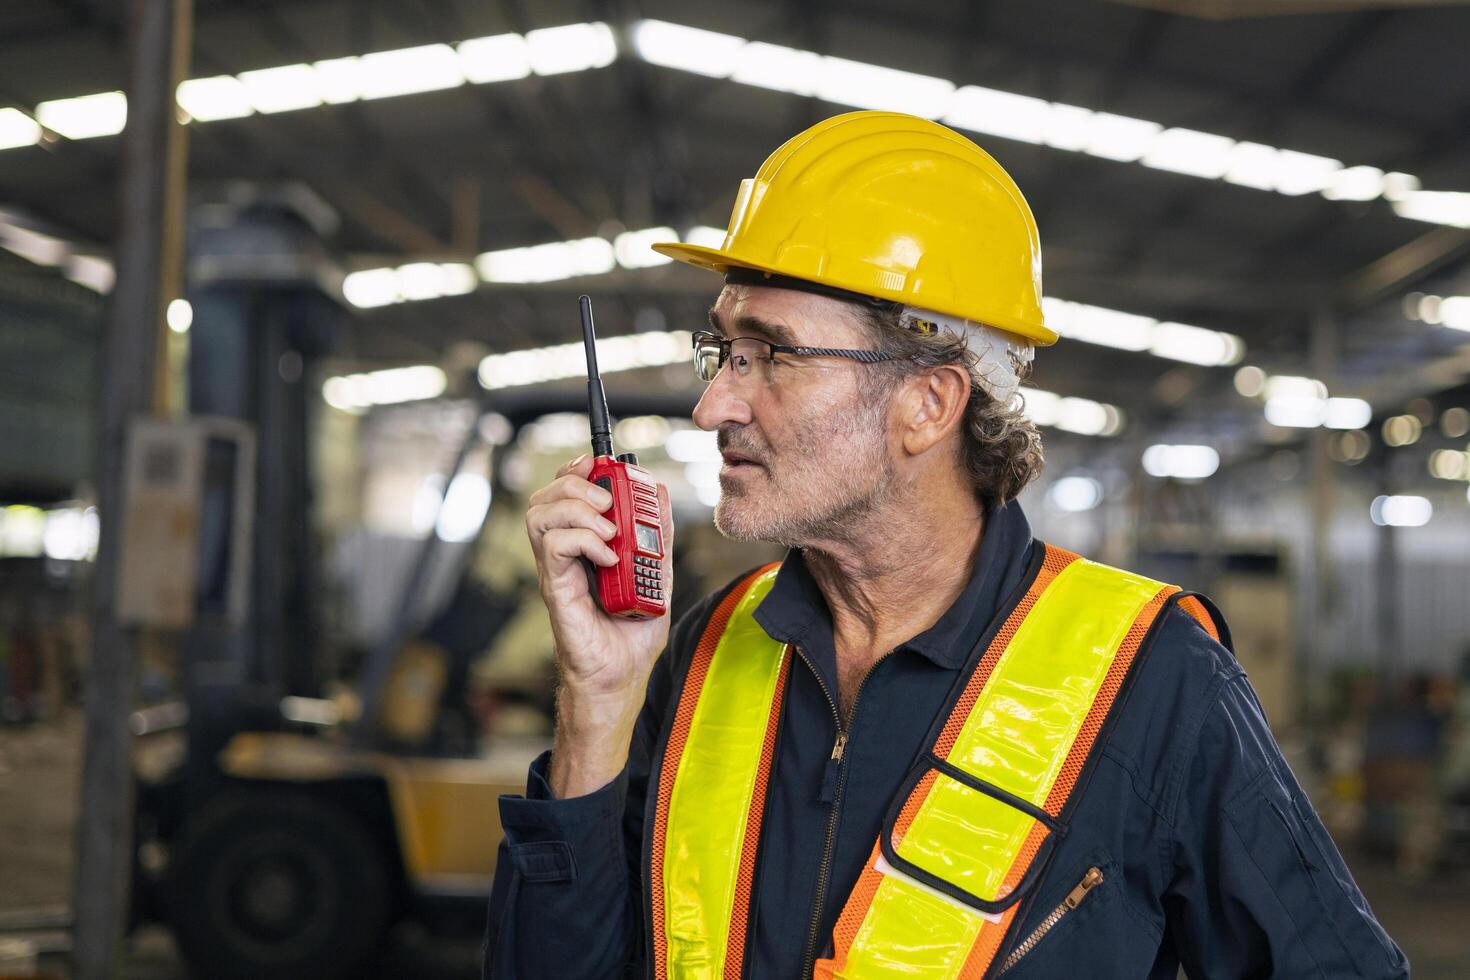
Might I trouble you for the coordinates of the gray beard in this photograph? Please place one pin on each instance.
(836, 520)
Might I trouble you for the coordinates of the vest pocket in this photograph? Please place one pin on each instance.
(1092, 894)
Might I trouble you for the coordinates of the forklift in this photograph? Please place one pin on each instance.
(317, 825)
(279, 833)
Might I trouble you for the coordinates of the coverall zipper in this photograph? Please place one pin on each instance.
(839, 748)
(1074, 898)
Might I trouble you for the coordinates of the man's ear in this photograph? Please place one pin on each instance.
(932, 406)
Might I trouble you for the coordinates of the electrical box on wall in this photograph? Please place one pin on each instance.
(183, 479)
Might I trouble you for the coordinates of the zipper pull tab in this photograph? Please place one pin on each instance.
(828, 792)
(1089, 881)
(839, 746)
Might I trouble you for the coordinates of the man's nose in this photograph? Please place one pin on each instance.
(720, 403)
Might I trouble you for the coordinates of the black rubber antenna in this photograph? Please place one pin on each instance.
(602, 444)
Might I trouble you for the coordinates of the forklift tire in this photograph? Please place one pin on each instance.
(278, 886)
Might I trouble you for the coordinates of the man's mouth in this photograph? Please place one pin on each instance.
(736, 461)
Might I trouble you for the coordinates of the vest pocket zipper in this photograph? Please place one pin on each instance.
(1074, 898)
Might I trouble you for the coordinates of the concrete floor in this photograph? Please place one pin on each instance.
(39, 772)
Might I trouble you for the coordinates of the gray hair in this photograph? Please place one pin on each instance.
(1002, 447)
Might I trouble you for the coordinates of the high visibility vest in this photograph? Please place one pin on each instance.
(968, 834)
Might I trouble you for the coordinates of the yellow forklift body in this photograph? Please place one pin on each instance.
(445, 811)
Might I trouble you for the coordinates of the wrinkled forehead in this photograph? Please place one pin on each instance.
(786, 316)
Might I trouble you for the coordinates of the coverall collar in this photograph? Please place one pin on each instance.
(796, 612)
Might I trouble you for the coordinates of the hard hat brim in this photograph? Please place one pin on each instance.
(718, 260)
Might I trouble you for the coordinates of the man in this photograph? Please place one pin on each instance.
(926, 745)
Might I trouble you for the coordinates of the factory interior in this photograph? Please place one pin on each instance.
(289, 335)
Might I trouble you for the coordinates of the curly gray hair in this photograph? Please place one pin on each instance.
(1002, 447)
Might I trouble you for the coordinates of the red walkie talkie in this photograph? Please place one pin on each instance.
(633, 588)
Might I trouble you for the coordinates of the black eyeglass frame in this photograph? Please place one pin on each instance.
(705, 338)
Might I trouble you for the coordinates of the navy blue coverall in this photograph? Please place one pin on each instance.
(1212, 857)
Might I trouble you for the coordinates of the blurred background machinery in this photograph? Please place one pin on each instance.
(287, 289)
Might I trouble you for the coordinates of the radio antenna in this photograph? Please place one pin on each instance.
(596, 399)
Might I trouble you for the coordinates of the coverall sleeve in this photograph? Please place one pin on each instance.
(567, 898)
(1259, 889)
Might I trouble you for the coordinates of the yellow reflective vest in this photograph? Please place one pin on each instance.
(968, 833)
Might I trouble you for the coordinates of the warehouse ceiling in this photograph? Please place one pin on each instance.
(446, 175)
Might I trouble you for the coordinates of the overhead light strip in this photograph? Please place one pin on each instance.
(1031, 120)
(587, 46)
(557, 261)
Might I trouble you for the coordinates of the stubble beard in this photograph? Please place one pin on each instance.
(817, 488)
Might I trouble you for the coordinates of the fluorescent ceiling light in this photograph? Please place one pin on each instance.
(1080, 415)
(371, 287)
(179, 316)
(1120, 138)
(1355, 184)
(92, 271)
(985, 110)
(386, 74)
(1075, 494)
(416, 281)
(1304, 173)
(1291, 386)
(778, 68)
(1196, 345)
(867, 86)
(1454, 312)
(687, 48)
(1436, 207)
(1181, 462)
(33, 246)
(1098, 325)
(357, 392)
(1347, 413)
(1253, 165)
(1067, 127)
(103, 114)
(633, 249)
(339, 80)
(431, 280)
(18, 129)
(547, 263)
(218, 97)
(574, 47)
(1398, 186)
(1187, 151)
(1296, 412)
(501, 58)
(706, 236)
(282, 89)
(625, 353)
(1397, 511)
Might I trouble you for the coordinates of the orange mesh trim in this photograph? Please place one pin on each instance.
(987, 944)
(740, 913)
(1056, 559)
(851, 919)
(911, 805)
(674, 751)
(1197, 609)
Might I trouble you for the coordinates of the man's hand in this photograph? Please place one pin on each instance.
(603, 661)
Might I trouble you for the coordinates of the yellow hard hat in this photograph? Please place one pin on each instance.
(893, 206)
